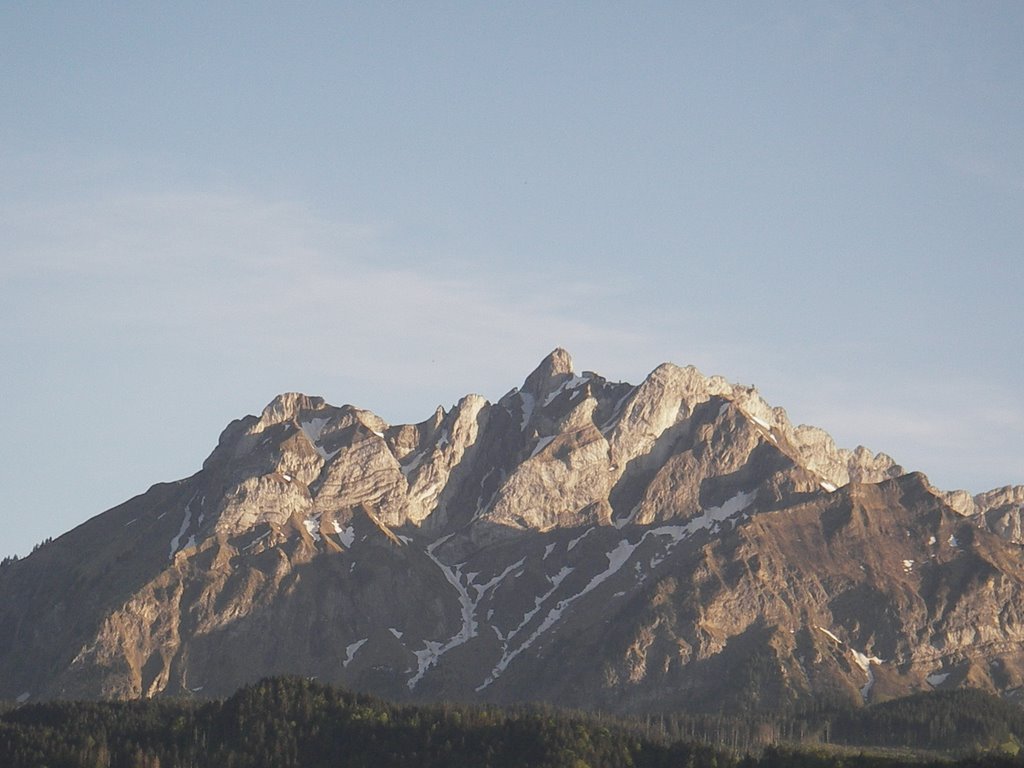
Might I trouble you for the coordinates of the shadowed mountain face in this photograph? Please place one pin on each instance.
(676, 544)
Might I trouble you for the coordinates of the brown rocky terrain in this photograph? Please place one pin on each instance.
(673, 544)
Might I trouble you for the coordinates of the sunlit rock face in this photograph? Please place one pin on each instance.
(672, 544)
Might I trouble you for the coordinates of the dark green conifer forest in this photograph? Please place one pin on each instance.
(298, 723)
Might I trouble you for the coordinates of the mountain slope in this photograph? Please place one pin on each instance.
(673, 544)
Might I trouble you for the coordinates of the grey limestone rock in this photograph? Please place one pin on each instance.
(579, 541)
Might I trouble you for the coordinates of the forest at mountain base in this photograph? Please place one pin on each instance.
(297, 722)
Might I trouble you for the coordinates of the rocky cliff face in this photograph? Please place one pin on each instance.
(673, 544)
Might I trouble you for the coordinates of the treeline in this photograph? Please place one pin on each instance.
(9, 559)
(964, 720)
(293, 722)
(959, 722)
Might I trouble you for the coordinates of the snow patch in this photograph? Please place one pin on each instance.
(548, 550)
(538, 603)
(312, 429)
(908, 566)
(397, 633)
(23, 698)
(573, 383)
(542, 443)
(623, 522)
(714, 515)
(176, 541)
(575, 541)
(865, 690)
(618, 557)
(350, 651)
(953, 541)
(710, 519)
(433, 650)
(616, 412)
(313, 526)
(425, 659)
(937, 678)
(828, 486)
(482, 506)
(864, 661)
(482, 589)
(528, 404)
(411, 467)
(256, 541)
(831, 635)
(559, 577)
(346, 535)
(931, 541)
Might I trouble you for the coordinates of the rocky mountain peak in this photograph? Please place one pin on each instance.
(288, 406)
(552, 371)
(580, 541)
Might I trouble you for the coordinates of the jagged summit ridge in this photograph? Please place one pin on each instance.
(605, 437)
(580, 540)
(579, 444)
(605, 433)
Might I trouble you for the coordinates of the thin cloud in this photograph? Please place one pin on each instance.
(254, 277)
(285, 298)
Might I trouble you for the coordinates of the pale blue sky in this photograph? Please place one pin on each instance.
(202, 205)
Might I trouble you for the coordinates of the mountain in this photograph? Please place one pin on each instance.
(672, 545)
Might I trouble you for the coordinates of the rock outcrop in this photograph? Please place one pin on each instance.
(678, 543)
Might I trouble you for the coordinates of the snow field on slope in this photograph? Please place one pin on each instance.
(312, 429)
(185, 523)
(709, 519)
(862, 660)
(350, 651)
(573, 383)
(434, 650)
